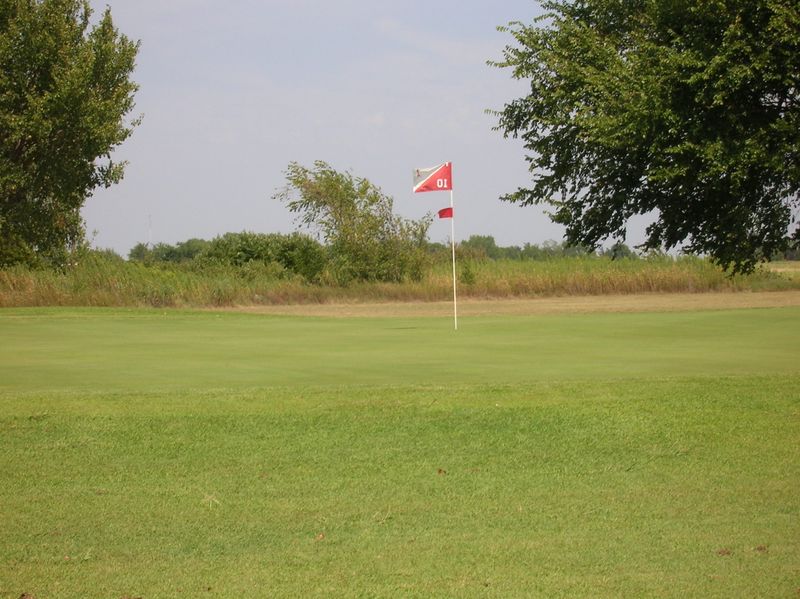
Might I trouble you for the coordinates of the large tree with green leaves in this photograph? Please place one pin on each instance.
(688, 110)
(65, 91)
(355, 219)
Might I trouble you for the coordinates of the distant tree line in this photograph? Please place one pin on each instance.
(301, 254)
(485, 246)
(295, 253)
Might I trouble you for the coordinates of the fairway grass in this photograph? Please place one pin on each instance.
(183, 454)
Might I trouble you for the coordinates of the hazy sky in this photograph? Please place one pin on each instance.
(231, 92)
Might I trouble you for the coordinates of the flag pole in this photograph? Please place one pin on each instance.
(453, 246)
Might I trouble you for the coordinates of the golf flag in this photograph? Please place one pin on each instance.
(436, 178)
(440, 178)
(446, 213)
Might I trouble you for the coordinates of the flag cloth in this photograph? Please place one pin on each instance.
(436, 178)
(446, 213)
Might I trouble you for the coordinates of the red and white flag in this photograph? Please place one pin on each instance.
(436, 178)
(440, 178)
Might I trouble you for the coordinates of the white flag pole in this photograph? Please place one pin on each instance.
(453, 246)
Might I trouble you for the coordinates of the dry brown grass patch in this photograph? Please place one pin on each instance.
(646, 302)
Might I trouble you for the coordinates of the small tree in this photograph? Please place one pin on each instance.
(367, 241)
(65, 89)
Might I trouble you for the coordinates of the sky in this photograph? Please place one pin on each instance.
(232, 92)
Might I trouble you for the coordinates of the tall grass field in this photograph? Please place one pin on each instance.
(105, 280)
(168, 453)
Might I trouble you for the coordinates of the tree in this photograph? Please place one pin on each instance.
(620, 251)
(140, 253)
(65, 89)
(367, 241)
(688, 110)
(481, 245)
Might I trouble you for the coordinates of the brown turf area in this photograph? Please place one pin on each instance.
(656, 302)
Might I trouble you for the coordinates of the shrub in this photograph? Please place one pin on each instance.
(366, 240)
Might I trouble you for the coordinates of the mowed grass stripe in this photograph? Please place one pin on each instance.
(118, 350)
(670, 488)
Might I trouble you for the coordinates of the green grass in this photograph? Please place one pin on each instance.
(179, 454)
(135, 350)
